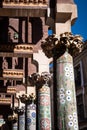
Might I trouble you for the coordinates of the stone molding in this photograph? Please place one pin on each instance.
(10, 73)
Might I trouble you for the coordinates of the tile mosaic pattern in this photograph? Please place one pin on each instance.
(66, 97)
(31, 117)
(44, 108)
(22, 121)
(14, 126)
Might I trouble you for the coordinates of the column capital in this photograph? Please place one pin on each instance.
(28, 99)
(13, 117)
(19, 110)
(39, 80)
(56, 46)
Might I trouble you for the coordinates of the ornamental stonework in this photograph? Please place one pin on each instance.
(10, 73)
(25, 2)
(23, 48)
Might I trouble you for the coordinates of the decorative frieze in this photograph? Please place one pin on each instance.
(11, 90)
(19, 48)
(26, 2)
(5, 100)
(10, 73)
(23, 48)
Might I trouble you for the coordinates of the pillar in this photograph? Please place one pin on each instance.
(44, 104)
(14, 125)
(66, 97)
(21, 118)
(31, 116)
(63, 50)
(30, 110)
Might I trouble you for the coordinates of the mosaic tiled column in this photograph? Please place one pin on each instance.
(14, 125)
(62, 49)
(21, 118)
(30, 111)
(66, 97)
(31, 116)
(44, 106)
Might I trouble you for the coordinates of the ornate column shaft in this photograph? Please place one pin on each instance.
(30, 115)
(44, 103)
(14, 126)
(21, 121)
(21, 118)
(66, 97)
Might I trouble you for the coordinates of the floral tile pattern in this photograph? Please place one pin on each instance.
(31, 117)
(44, 108)
(66, 97)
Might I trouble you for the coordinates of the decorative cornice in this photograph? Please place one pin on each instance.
(17, 48)
(10, 73)
(11, 90)
(31, 3)
(5, 100)
(23, 48)
(56, 46)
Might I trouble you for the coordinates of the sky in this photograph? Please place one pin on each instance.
(80, 26)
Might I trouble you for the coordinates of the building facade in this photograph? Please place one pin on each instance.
(23, 25)
(22, 29)
(81, 87)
